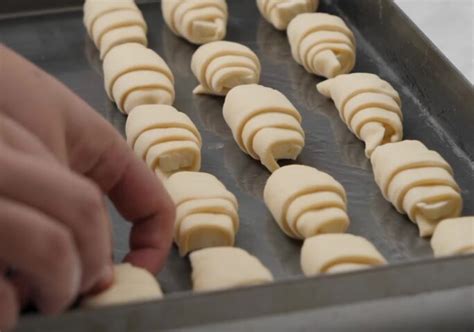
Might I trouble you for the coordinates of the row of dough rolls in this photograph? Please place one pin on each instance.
(418, 182)
(280, 12)
(221, 65)
(368, 105)
(311, 205)
(206, 224)
(198, 22)
(264, 123)
(138, 80)
(228, 267)
(166, 139)
(112, 23)
(206, 212)
(135, 75)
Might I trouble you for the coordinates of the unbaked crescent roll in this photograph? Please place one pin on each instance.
(206, 212)
(221, 65)
(454, 237)
(418, 182)
(226, 267)
(334, 253)
(369, 106)
(280, 12)
(131, 284)
(112, 23)
(135, 75)
(306, 202)
(322, 44)
(197, 21)
(167, 140)
(264, 124)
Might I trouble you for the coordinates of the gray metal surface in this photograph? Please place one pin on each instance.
(438, 104)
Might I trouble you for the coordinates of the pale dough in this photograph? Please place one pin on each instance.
(226, 267)
(198, 21)
(368, 105)
(264, 124)
(206, 212)
(135, 75)
(166, 139)
(322, 44)
(333, 253)
(306, 202)
(453, 237)
(221, 65)
(418, 182)
(131, 284)
(280, 12)
(112, 23)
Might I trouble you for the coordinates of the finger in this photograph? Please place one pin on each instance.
(141, 198)
(42, 250)
(8, 305)
(69, 199)
(138, 195)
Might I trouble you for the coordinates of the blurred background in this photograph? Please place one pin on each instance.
(449, 24)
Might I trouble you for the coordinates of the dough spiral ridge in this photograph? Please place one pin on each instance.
(226, 267)
(198, 21)
(322, 44)
(306, 202)
(166, 139)
(113, 23)
(369, 106)
(418, 182)
(221, 65)
(264, 124)
(280, 12)
(206, 212)
(336, 253)
(135, 75)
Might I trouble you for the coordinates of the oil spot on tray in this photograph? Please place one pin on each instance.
(215, 146)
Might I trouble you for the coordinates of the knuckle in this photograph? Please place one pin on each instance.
(59, 246)
(93, 238)
(91, 204)
(60, 270)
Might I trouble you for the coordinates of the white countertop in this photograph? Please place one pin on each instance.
(450, 25)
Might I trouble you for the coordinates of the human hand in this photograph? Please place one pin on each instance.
(58, 158)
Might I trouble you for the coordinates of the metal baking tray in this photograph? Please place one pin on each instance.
(438, 105)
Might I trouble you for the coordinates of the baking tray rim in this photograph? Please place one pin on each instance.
(344, 281)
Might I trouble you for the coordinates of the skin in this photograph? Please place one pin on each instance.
(58, 161)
